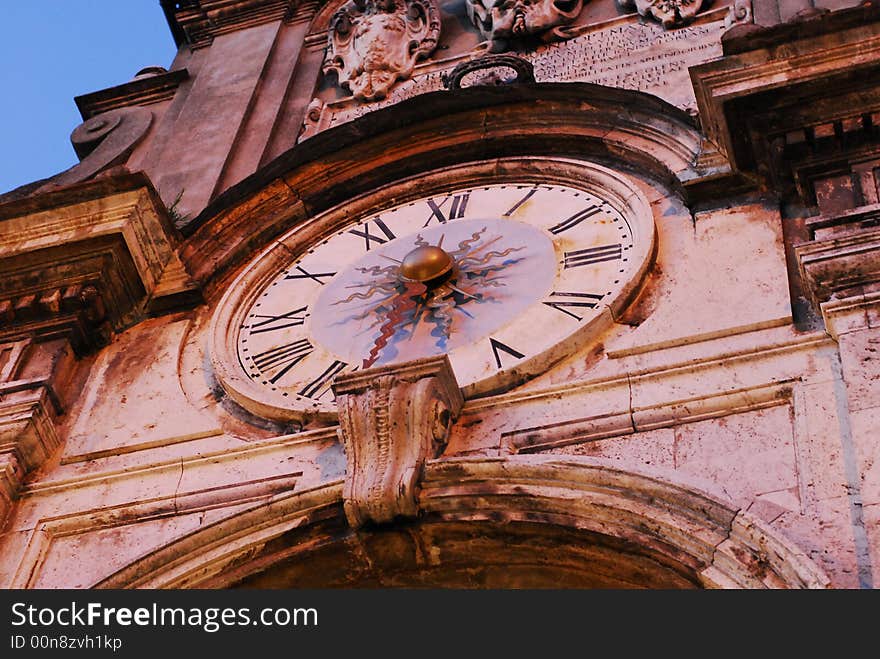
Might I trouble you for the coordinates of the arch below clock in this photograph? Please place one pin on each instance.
(624, 130)
(518, 521)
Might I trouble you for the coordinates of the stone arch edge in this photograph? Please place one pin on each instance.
(725, 546)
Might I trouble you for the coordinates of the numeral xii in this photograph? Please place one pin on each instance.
(456, 210)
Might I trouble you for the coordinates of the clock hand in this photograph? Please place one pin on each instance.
(465, 293)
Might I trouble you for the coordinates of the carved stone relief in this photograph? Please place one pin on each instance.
(309, 125)
(740, 12)
(392, 419)
(374, 43)
(503, 21)
(671, 13)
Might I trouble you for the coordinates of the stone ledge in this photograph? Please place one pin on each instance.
(140, 91)
(86, 260)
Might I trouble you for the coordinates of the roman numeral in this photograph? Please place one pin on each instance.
(575, 219)
(370, 238)
(304, 274)
(456, 211)
(568, 300)
(592, 255)
(521, 202)
(321, 385)
(497, 345)
(272, 323)
(283, 358)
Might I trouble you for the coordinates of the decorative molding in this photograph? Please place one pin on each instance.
(76, 312)
(640, 419)
(503, 24)
(738, 95)
(45, 532)
(311, 120)
(302, 12)
(144, 89)
(102, 142)
(851, 314)
(371, 44)
(392, 419)
(669, 13)
(725, 546)
(740, 13)
(695, 358)
(490, 70)
(84, 260)
(198, 22)
(28, 408)
(11, 358)
(846, 261)
(27, 428)
(720, 545)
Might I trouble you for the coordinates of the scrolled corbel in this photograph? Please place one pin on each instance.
(392, 419)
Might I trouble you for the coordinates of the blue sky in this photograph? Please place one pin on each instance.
(53, 50)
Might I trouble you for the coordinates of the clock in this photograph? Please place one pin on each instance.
(504, 273)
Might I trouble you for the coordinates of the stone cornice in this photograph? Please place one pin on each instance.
(83, 260)
(843, 259)
(750, 36)
(140, 91)
(744, 77)
(198, 22)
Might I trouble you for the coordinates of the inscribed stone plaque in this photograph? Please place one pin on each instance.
(623, 53)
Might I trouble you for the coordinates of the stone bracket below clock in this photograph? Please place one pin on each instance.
(391, 420)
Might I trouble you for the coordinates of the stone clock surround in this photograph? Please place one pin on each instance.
(236, 489)
(618, 191)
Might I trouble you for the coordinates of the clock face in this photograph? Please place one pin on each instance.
(504, 278)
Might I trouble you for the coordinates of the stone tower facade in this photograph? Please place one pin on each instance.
(561, 293)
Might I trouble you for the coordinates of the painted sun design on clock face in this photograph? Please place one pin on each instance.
(505, 279)
(436, 291)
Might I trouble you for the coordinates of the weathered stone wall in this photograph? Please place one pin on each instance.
(703, 382)
(705, 437)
